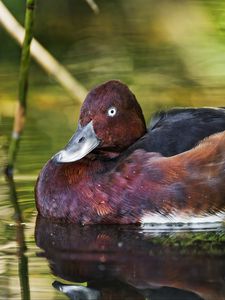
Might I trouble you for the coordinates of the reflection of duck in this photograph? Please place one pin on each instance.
(76, 292)
(122, 262)
(107, 175)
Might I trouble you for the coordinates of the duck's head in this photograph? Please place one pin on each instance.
(110, 121)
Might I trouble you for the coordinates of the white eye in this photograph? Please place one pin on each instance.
(112, 111)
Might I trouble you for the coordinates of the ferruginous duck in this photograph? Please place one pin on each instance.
(115, 171)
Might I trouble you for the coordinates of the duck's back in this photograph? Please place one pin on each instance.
(179, 130)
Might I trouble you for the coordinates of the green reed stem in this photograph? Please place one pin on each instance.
(20, 113)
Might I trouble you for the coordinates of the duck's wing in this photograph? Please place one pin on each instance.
(178, 130)
(188, 187)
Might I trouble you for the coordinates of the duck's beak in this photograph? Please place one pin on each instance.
(81, 143)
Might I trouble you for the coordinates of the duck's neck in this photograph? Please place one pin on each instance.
(88, 167)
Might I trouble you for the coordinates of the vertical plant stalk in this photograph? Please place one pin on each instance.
(20, 113)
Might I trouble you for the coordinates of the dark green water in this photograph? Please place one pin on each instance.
(170, 53)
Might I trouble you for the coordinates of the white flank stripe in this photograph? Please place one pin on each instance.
(183, 221)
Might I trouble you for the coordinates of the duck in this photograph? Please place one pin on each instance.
(116, 171)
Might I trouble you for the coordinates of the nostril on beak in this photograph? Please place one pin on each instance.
(57, 158)
(81, 139)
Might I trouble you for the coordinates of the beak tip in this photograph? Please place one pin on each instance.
(80, 144)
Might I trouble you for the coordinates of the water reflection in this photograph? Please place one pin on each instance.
(125, 262)
(21, 244)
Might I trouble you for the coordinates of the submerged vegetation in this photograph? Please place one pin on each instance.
(211, 243)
